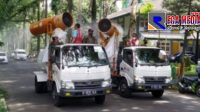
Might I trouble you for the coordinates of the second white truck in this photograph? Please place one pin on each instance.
(142, 69)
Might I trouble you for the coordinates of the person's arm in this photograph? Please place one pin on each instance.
(137, 42)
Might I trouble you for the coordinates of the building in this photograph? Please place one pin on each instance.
(170, 41)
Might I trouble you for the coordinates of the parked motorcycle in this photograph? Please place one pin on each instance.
(190, 84)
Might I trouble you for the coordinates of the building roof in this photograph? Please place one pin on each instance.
(162, 35)
(120, 13)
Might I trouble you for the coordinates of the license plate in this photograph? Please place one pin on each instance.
(89, 92)
(156, 87)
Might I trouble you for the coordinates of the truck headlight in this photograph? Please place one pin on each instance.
(106, 83)
(67, 85)
(168, 80)
(139, 80)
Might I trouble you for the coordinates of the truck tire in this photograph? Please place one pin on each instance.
(198, 90)
(57, 100)
(157, 93)
(124, 90)
(100, 99)
(40, 87)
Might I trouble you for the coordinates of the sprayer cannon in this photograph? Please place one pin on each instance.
(47, 25)
(105, 26)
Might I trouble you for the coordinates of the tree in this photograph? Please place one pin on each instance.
(177, 7)
(147, 7)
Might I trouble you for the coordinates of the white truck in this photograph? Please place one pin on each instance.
(142, 69)
(78, 70)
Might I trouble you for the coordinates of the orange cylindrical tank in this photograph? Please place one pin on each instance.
(106, 26)
(47, 25)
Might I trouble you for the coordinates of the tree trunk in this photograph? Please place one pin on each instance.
(93, 11)
(94, 16)
(24, 37)
(185, 43)
(197, 48)
(132, 27)
(38, 38)
(70, 8)
(46, 14)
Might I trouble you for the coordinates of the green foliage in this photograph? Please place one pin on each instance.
(15, 10)
(147, 7)
(3, 94)
(187, 61)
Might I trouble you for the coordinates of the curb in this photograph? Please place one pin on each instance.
(4, 108)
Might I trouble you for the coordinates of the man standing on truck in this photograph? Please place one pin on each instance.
(133, 41)
(78, 37)
(90, 38)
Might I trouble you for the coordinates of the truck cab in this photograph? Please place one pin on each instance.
(78, 70)
(143, 69)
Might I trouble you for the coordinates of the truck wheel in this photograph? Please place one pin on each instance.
(40, 87)
(157, 93)
(100, 99)
(124, 90)
(57, 100)
(198, 91)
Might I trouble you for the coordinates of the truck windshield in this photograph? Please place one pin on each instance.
(151, 56)
(84, 56)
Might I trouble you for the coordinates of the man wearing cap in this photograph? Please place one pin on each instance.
(90, 38)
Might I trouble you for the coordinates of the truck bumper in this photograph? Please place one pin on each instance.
(149, 87)
(84, 92)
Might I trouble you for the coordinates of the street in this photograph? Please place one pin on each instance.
(18, 79)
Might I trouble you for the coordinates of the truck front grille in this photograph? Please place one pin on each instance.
(154, 80)
(90, 84)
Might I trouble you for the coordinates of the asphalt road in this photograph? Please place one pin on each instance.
(18, 79)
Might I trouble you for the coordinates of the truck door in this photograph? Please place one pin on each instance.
(126, 66)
